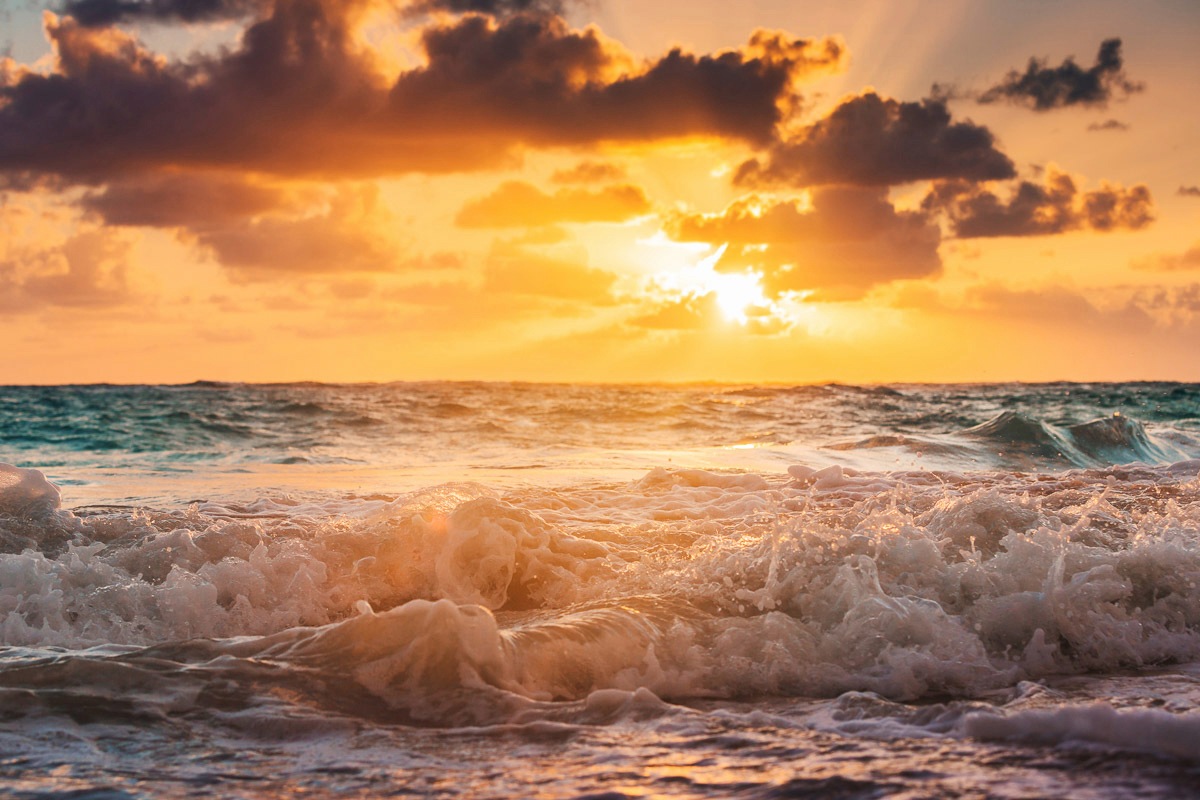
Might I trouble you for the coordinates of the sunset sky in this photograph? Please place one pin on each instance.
(611, 190)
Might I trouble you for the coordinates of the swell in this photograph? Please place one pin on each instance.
(1099, 442)
(393, 426)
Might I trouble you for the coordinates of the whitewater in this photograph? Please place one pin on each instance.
(576, 591)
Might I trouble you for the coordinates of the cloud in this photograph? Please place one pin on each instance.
(511, 269)
(1108, 125)
(259, 229)
(590, 172)
(88, 272)
(1053, 207)
(349, 235)
(1050, 307)
(195, 201)
(1188, 191)
(96, 13)
(869, 140)
(533, 79)
(1058, 307)
(495, 8)
(1175, 301)
(516, 204)
(850, 239)
(1043, 88)
(1186, 261)
(302, 94)
(690, 312)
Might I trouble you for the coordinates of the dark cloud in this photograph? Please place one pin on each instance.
(872, 141)
(88, 271)
(95, 13)
(494, 8)
(1188, 191)
(516, 204)
(1108, 125)
(532, 79)
(1043, 87)
(1053, 207)
(301, 94)
(198, 202)
(849, 240)
(590, 172)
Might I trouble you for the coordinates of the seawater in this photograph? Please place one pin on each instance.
(517, 590)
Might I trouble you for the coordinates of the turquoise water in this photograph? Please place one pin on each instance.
(156, 441)
(600, 591)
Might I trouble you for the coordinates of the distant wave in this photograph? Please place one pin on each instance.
(1113, 440)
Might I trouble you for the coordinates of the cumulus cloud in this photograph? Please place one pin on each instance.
(88, 271)
(516, 204)
(94, 13)
(869, 140)
(849, 240)
(1042, 87)
(1055, 206)
(1108, 125)
(590, 172)
(302, 94)
(1189, 191)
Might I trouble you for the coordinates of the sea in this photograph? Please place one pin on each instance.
(516, 590)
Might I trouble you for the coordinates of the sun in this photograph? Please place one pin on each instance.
(736, 293)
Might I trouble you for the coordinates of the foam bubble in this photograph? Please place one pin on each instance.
(26, 492)
(1143, 730)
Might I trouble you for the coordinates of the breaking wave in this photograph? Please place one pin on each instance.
(459, 603)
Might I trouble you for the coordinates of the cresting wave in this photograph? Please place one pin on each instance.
(1112, 440)
(459, 604)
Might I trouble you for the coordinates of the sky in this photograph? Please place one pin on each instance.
(869, 191)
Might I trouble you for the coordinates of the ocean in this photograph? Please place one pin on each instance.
(588, 591)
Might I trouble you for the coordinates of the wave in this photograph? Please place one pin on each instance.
(1113, 440)
(459, 603)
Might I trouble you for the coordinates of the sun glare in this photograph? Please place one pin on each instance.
(737, 293)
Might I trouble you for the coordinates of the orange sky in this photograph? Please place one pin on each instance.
(277, 190)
